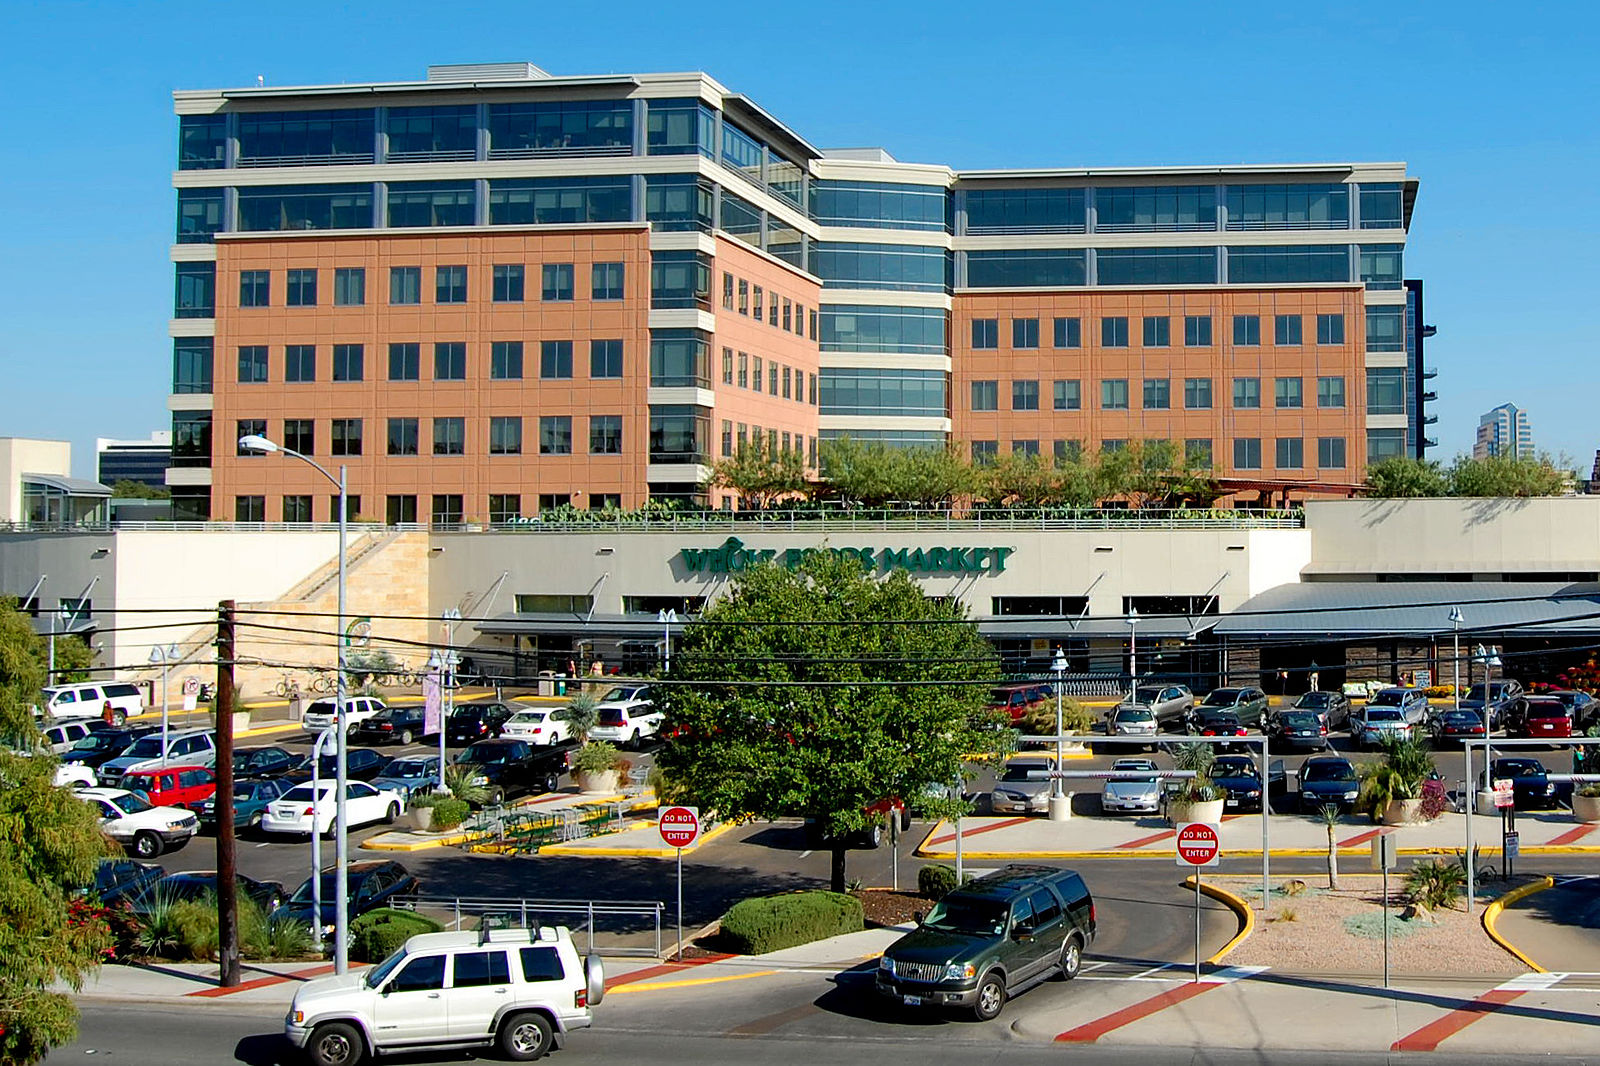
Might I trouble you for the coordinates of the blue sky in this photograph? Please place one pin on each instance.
(1490, 105)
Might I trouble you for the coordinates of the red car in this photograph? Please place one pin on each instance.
(173, 786)
(1546, 717)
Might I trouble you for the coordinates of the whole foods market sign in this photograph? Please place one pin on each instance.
(733, 556)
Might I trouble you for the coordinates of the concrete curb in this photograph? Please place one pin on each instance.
(1241, 910)
(1492, 912)
(445, 840)
(571, 848)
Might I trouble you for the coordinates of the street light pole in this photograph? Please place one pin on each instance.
(1456, 618)
(667, 616)
(447, 683)
(1060, 803)
(1133, 659)
(164, 654)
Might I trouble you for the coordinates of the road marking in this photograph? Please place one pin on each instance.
(265, 982)
(1436, 1032)
(1153, 838)
(1090, 1032)
(647, 972)
(966, 833)
(806, 853)
(1571, 836)
(659, 986)
(1359, 839)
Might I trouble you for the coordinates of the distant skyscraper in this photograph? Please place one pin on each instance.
(1503, 431)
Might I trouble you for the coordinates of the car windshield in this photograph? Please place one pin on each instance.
(618, 695)
(1519, 769)
(380, 973)
(1314, 700)
(131, 804)
(1300, 721)
(1135, 714)
(1328, 771)
(486, 754)
(303, 893)
(1134, 767)
(138, 782)
(145, 748)
(975, 917)
(305, 793)
(1546, 709)
(100, 742)
(246, 789)
(613, 716)
(1389, 697)
(407, 768)
(1019, 771)
(1146, 694)
(1233, 767)
(1222, 697)
(526, 718)
(1381, 714)
(466, 713)
(1496, 690)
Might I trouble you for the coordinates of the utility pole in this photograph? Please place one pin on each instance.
(227, 877)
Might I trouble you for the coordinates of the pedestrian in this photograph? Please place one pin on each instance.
(108, 715)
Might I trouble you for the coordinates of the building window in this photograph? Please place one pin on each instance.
(1386, 329)
(1286, 392)
(1114, 331)
(450, 285)
(1113, 445)
(1291, 454)
(504, 507)
(1386, 391)
(1197, 394)
(405, 287)
(1024, 395)
(302, 288)
(297, 508)
(1024, 333)
(349, 286)
(1069, 333)
(1114, 394)
(508, 283)
(403, 436)
(555, 435)
(605, 434)
(1246, 392)
(757, 304)
(1197, 331)
(1067, 395)
(405, 361)
(788, 316)
(300, 362)
(192, 365)
(1157, 393)
(505, 435)
(727, 366)
(448, 509)
(986, 396)
(744, 370)
(1330, 329)
(1286, 329)
(1247, 453)
(986, 333)
(555, 360)
(1330, 453)
(744, 297)
(196, 295)
(787, 386)
(811, 389)
(252, 364)
(984, 452)
(249, 427)
(1025, 448)
(345, 436)
(450, 361)
(1247, 330)
(1197, 452)
(1157, 332)
(505, 361)
(249, 508)
(1067, 451)
(605, 359)
(1385, 444)
(606, 283)
(300, 435)
(255, 288)
(449, 436)
(398, 509)
(772, 379)
(555, 281)
(1330, 392)
(772, 311)
(755, 374)
(349, 362)
(727, 290)
(1381, 206)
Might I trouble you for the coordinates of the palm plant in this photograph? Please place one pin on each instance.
(460, 780)
(1329, 813)
(1406, 765)
(1199, 758)
(582, 713)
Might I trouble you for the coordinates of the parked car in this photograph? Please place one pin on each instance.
(394, 725)
(197, 884)
(1531, 787)
(188, 747)
(522, 990)
(507, 766)
(75, 775)
(319, 714)
(251, 797)
(64, 736)
(1369, 725)
(372, 883)
(172, 786)
(1141, 795)
(1166, 702)
(537, 726)
(262, 762)
(1017, 700)
(1582, 706)
(295, 811)
(472, 722)
(88, 700)
(1333, 708)
(1453, 726)
(1545, 716)
(360, 764)
(124, 880)
(1411, 702)
(1296, 730)
(409, 776)
(100, 746)
(1238, 777)
(990, 940)
(1503, 699)
(1218, 722)
(626, 715)
(1327, 779)
(1016, 792)
(1246, 704)
(143, 830)
(1131, 720)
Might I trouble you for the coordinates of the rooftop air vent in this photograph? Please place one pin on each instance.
(486, 72)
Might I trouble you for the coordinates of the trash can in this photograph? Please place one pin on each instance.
(547, 683)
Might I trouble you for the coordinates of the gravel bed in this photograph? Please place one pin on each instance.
(1342, 932)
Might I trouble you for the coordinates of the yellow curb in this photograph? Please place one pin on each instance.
(1241, 909)
(607, 852)
(425, 843)
(1166, 853)
(1492, 911)
(261, 731)
(658, 986)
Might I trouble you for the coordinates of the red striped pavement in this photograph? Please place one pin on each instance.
(1089, 1032)
(263, 982)
(665, 968)
(1168, 834)
(965, 833)
(1571, 836)
(1360, 838)
(1430, 1036)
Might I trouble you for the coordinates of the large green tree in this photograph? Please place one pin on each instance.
(1404, 477)
(821, 691)
(49, 843)
(1506, 475)
(762, 474)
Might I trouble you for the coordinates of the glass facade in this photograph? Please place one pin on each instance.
(304, 207)
(1381, 265)
(680, 358)
(1155, 209)
(1298, 206)
(192, 365)
(196, 291)
(298, 138)
(1268, 265)
(191, 438)
(741, 218)
(200, 214)
(1026, 211)
(879, 205)
(1027, 268)
(1382, 206)
(905, 268)
(202, 142)
(680, 279)
(431, 134)
(680, 433)
(598, 127)
(861, 328)
(680, 127)
(893, 438)
(1386, 390)
(682, 202)
(432, 203)
(1386, 329)
(861, 391)
(541, 201)
(1156, 266)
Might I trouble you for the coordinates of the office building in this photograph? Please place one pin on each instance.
(141, 461)
(1504, 430)
(496, 291)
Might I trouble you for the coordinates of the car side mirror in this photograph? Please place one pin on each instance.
(918, 916)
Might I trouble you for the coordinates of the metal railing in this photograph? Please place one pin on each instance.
(586, 917)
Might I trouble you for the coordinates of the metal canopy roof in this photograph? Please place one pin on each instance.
(1150, 625)
(642, 627)
(1417, 608)
(72, 486)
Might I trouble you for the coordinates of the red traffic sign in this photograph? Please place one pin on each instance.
(1504, 794)
(1198, 844)
(680, 826)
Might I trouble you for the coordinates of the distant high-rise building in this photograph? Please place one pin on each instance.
(144, 461)
(1504, 431)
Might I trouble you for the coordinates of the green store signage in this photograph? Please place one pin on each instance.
(733, 557)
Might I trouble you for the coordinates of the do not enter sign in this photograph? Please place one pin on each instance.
(680, 826)
(1198, 844)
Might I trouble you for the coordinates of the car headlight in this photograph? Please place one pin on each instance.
(480, 780)
(1009, 794)
(886, 964)
(960, 971)
(297, 1017)
(179, 824)
(1254, 793)
(1350, 795)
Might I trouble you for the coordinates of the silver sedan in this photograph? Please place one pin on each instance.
(1140, 795)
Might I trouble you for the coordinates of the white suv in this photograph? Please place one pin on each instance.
(522, 990)
(626, 715)
(89, 699)
(319, 714)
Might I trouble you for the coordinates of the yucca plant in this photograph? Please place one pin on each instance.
(159, 931)
(1329, 813)
(459, 782)
(1436, 884)
(1406, 765)
(582, 711)
(1199, 758)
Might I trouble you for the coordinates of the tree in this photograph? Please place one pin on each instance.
(73, 659)
(822, 691)
(128, 489)
(1506, 475)
(49, 843)
(760, 474)
(1329, 815)
(1404, 477)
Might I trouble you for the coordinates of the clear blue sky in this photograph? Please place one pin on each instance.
(1492, 106)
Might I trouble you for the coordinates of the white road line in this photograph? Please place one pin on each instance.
(1154, 969)
(806, 853)
(1530, 982)
(1229, 974)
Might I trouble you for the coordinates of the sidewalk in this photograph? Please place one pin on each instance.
(408, 840)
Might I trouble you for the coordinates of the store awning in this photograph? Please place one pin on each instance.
(1153, 626)
(71, 486)
(1367, 609)
(526, 623)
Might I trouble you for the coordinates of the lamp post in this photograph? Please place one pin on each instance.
(1060, 802)
(1456, 618)
(1133, 659)
(447, 681)
(667, 618)
(254, 442)
(164, 654)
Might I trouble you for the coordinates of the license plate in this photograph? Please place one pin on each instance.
(912, 1001)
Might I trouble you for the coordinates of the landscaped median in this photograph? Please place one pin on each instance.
(520, 827)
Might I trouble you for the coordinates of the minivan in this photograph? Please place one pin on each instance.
(89, 699)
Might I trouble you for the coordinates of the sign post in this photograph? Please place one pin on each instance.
(191, 693)
(1384, 854)
(680, 827)
(1198, 845)
(1505, 799)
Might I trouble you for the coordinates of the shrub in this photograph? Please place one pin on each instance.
(770, 923)
(196, 924)
(581, 712)
(459, 782)
(1590, 791)
(1040, 720)
(1434, 800)
(935, 881)
(1435, 884)
(597, 757)
(378, 934)
(449, 812)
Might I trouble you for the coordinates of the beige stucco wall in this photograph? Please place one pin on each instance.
(1481, 537)
(18, 456)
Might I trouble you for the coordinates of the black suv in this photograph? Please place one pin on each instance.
(991, 939)
(508, 765)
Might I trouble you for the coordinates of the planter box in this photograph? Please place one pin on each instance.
(1206, 811)
(1586, 808)
(241, 722)
(605, 781)
(422, 818)
(1402, 812)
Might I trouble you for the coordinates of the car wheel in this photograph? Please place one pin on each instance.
(633, 741)
(254, 823)
(525, 1037)
(406, 737)
(119, 717)
(493, 798)
(873, 838)
(551, 782)
(146, 845)
(1071, 958)
(336, 1044)
(391, 814)
(991, 998)
(905, 819)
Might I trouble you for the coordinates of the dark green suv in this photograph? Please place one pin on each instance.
(991, 939)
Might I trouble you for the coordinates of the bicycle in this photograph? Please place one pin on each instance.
(287, 688)
(322, 683)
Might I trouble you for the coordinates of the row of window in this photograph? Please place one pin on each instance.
(790, 383)
(1376, 266)
(507, 284)
(1156, 331)
(348, 362)
(777, 311)
(1067, 395)
(448, 508)
(403, 435)
(1288, 452)
(775, 442)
